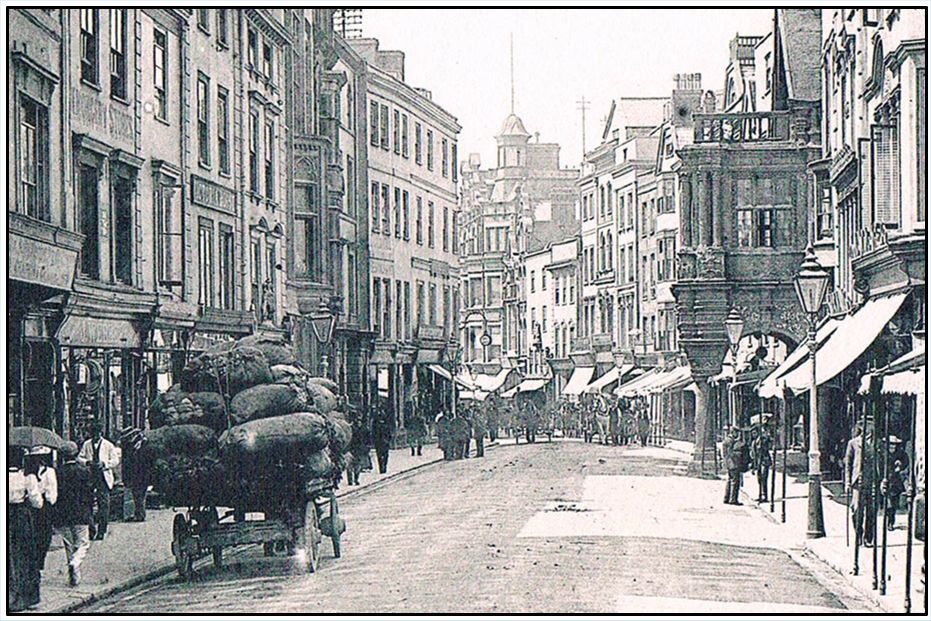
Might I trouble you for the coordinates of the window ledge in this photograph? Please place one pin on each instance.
(118, 99)
(90, 84)
(204, 165)
(162, 120)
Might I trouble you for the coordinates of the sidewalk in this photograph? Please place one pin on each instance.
(134, 553)
(833, 548)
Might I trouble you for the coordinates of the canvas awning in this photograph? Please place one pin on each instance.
(772, 386)
(491, 383)
(854, 334)
(904, 376)
(675, 379)
(529, 385)
(473, 395)
(578, 381)
(440, 371)
(613, 375)
(99, 332)
(638, 385)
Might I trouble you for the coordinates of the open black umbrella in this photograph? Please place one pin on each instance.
(30, 437)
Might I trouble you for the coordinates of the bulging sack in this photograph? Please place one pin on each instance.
(280, 438)
(266, 401)
(226, 372)
(188, 440)
(276, 350)
(322, 400)
(176, 407)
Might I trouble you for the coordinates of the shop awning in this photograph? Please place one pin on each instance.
(578, 380)
(675, 379)
(638, 385)
(491, 383)
(613, 375)
(853, 336)
(473, 395)
(99, 332)
(441, 371)
(911, 382)
(529, 385)
(904, 375)
(772, 386)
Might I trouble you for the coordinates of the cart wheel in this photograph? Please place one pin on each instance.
(181, 534)
(312, 536)
(336, 525)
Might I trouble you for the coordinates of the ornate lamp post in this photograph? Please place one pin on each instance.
(324, 321)
(811, 283)
(734, 327)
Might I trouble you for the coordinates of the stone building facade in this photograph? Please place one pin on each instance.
(412, 234)
(167, 226)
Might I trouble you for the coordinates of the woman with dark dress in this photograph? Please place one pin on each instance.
(24, 497)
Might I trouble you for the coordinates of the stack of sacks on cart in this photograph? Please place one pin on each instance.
(245, 426)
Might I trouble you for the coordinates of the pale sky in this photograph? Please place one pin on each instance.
(559, 56)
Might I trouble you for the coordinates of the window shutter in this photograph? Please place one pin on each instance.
(885, 175)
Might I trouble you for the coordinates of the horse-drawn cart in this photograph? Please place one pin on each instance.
(295, 524)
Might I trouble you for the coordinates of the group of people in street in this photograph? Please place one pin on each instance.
(67, 491)
(617, 421)
(747, 450)
(455, 432)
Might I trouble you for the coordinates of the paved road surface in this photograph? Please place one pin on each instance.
(561, 527)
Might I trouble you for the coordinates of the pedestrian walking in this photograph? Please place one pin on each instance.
(102, 457)
(360, 445)
(614, 423)
(416, 433)
(72, 513)
(460, 432)
(39, 464)
(24, 497)
(734, 456)
(643, 427)
(382, 433)
(136, 469)
(465, 431)
(761, 454)
(443, 433)
(893, 488)
(859, 474)
(478, 432)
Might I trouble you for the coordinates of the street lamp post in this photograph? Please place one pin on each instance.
(810, 286)
(734, 327)
(324, 321)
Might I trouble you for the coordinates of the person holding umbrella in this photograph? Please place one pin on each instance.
(24, 496)
(39, 464)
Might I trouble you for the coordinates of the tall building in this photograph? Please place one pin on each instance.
(521, 206)
(167, 225)
(744, 200)
(327, 263)
(412, 232)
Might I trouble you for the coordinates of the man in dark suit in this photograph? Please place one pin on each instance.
(382, 433)
(734, 450)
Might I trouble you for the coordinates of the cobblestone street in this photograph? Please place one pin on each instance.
(561, 526)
